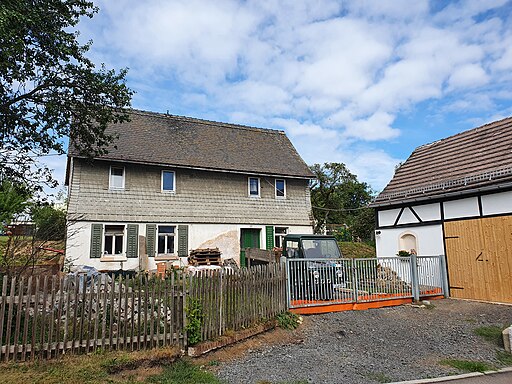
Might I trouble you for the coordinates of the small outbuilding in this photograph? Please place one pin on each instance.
(454, 197)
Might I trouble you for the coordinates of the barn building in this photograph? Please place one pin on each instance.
(454, 197)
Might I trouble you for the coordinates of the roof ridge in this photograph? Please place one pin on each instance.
(465, 132)
(204, 121)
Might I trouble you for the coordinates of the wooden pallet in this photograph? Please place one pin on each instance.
(205, 256)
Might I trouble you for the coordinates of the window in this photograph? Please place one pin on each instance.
(279, 233)
(280, 188)
(113, 244)
(166, 234)
(168, 181)
(292, 249)
(116, 178)
(254, 187)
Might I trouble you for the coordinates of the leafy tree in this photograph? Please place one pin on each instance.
(50, 223)
(14, 200)
(49, 89)
(339, 198)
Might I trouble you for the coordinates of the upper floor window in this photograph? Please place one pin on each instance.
(116, 180)
(166, 235)
(254, 187)
(113, 244)
(168, 181)
(280, 188)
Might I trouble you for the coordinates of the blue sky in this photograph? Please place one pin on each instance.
(358, 82)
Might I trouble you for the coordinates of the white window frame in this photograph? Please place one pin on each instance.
(280, 235)
(249, 187)
(122, 254)
(275, 188)
(167, 256)
(173, 181)
(110, 186)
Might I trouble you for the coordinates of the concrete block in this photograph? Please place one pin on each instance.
(507, 338)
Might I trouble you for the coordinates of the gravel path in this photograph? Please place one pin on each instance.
(377, 345)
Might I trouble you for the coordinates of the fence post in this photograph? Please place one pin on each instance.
(444, 276)
(288, 287)
(355, 277)
(414, 277)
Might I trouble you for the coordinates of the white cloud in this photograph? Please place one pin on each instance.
(468, 76)
(375, 127)
(325, 71)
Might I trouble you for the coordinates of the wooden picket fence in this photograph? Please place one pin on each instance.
(46, 317)
(240, 299)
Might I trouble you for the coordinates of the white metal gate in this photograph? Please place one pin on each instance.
(314, 282)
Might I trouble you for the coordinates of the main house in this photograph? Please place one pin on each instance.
(172, 184)
(454, 197)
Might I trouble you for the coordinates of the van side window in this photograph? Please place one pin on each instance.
(292, 249)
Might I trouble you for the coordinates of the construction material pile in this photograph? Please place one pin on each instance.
(205, 256)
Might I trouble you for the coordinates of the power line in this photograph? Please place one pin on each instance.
(341, 209)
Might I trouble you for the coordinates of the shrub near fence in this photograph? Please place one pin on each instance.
(43, 317)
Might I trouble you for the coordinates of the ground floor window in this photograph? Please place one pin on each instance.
(166, 236)
(114, 239)
(279, 234)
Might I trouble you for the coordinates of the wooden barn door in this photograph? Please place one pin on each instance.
(479, 258)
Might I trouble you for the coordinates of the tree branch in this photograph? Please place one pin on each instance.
(27, 95)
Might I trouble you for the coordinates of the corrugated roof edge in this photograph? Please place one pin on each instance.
(204, 121)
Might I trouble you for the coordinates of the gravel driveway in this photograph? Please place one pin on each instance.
(376, 345)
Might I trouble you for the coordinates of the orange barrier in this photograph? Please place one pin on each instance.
(316, 307)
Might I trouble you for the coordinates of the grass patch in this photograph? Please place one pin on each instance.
(183, 372)
(380, 377)
(490, 333)
(356, 250)
(100, 367)
(467, 365)
(504, 358)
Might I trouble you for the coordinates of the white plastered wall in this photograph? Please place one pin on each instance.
(226, 237)
(429, 240)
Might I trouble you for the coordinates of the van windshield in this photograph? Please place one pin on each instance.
(320, 248)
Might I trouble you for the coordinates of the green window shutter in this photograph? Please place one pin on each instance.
(150, 239)
(182, 240)
(96, 240)
(132, 244)
(270, 236)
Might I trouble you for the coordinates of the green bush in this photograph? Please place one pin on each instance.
(195, 316)
(50, 223)
(288, 320)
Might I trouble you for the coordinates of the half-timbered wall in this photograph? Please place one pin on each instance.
(473, 232)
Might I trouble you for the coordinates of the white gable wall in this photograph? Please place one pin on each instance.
(388, 217)
(458, 209)
(497, 203)
(429, 232)
(429, 240)
(407, 217)
(428, 212)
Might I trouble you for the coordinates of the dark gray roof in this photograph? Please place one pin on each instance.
(480, 158)
(154, 138)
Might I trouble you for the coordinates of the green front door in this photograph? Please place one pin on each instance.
(249, 238)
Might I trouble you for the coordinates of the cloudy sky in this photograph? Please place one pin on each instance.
(358, 82)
